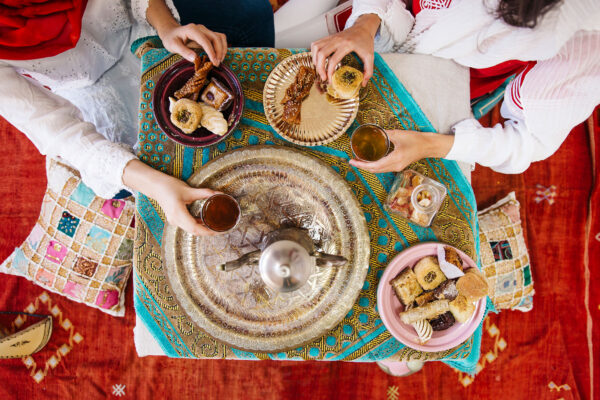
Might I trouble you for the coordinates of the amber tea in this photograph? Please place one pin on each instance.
(220, 212)
(369, 143)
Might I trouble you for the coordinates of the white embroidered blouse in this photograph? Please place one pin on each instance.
(541, 108)
(88, 118)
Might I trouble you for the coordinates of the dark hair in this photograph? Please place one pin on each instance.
(524, 13)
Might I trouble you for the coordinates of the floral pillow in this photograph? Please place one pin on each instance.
(81, 246)
(504, 256)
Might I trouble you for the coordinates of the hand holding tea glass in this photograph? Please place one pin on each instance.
(408, 147)
(172, 194)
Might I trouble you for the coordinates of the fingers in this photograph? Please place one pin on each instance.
(177, 46)
(219, 43)
(195, 33)
(368, 166)
(368, 60)
(334, 60)
(223, 40)
(386, 164)
(320, 51)
(184, 220)
(193, 194)
(315, 47)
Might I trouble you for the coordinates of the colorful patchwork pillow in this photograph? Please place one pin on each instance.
(81, 246)
(504, 257)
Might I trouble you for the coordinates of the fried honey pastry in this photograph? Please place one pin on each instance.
(192, 87)
(296, 93)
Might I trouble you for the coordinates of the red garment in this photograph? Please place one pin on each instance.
(485, 80)
(31, 29)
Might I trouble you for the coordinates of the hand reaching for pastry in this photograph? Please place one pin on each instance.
(358, 38)
(182, 39)
(172, 194)
(409, 146)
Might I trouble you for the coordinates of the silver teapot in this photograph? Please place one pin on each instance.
(286, 259)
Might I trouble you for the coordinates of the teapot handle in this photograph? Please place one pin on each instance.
(329, 260)
(247, 259)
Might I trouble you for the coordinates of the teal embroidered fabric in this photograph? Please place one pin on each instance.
(361, 336)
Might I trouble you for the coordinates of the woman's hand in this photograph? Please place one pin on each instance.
(409, 146)
(358, 38)
(172, 194)
(181, 39)
(174, 197)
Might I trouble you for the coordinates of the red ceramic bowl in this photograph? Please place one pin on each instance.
(172, 80)
(389, 306)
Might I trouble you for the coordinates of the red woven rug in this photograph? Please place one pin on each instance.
(543, 354)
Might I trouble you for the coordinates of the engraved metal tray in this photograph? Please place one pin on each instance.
(276, 186)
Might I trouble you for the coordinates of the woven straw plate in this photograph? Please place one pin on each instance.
(323, 119)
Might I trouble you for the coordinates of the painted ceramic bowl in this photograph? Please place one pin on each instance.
(172, 80)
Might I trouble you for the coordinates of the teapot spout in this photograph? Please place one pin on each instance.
(247, 259)
(329, 260)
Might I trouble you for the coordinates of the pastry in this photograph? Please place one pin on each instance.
(427, 311)
(428, 272)
(213, 120)
(447, 290)
(296, 93)
(291, 112)
(449, 269)
(424, 330)
(442, 322)
(424, 198)
(472, 285)
(419, 218)
(345, 83)
(193, 86)
(461, 308)
(416, 179)
(453, 258)
(215, 94)
(425, 298)
(186, 114)
(406, 286)
(320, 84)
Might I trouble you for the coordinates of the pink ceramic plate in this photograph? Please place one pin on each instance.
(390, 307)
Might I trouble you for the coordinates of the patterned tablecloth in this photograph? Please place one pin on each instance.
(361, 336)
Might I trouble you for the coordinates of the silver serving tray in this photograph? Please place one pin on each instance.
(275, 186)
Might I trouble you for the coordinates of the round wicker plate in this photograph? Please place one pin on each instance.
(323, 118)
(275, 186)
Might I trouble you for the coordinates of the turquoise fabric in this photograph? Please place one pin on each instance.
(460, 192)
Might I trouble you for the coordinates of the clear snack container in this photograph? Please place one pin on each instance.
(415, 197)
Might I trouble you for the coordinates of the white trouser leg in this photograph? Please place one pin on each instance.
(295, 12)
(300, 22)
(302, 35)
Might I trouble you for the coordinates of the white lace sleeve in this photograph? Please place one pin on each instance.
(140, 7)
(56, 127)
(396, 21)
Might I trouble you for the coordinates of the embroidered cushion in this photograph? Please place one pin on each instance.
(504, 256)
(81, 246)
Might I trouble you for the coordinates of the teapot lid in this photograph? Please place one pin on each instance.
(285, 266)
